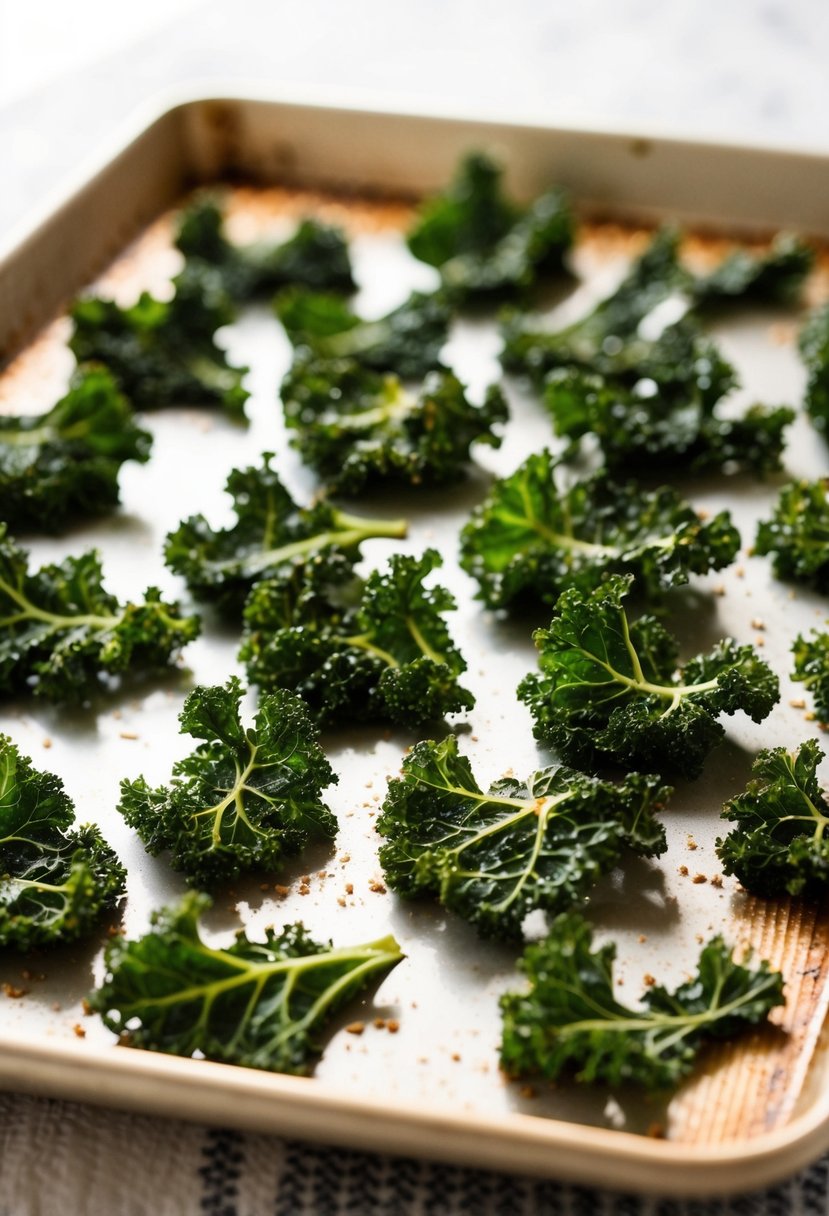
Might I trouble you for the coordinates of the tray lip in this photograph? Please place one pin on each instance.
(768, 1156)
(775, 1154)
(168, 103)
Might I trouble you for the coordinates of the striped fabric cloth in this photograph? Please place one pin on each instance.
(64, 1159)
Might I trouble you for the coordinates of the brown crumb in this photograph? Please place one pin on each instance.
(656, 1131)
(740, 571)
(345, 857)
(87, 1008)
(14, 993)
(699, 937)
(690, 843)
(757, 623)
(304, 889)
(56, 1005)
(47, 743)
(642, 938)
(719, 589)
(117, 715)
(698, 878)
(648, 980)
(377, 886)
(349, 888)
(264, 886)
(392, 1025)
(683, 870)
(759, 640)
(810, 717)
(79, 1031)
(456, 1056)
(306, 878)
(380, 1023)
(716, 880)
(281, 891)
(355, 1027)
(127, 734)
(797, 703)
(321, 874)
(527, 1091)
(341, 901)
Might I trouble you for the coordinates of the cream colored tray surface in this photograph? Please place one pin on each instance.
(752, 1112)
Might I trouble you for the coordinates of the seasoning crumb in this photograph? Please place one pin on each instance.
(527, 1091)
(699, 937)
(690, 843)
(341, 901)
(380, 1023)
(456, 1056)
(79, 1031)
(56, 1006)
(345, 857)
(12, 991)
(757, 623)
(759, 640)
(264, 886)
(321, 874)
(304, 889)
(683, 870)
(716, 880)
(377, 886)
(87, 1008)
(392, 1025)
(281, 891)
(47, 743)
(797, 703)
(656, 1131)
(306, 878)
(740, 571)
(349, 888)
(698, 878)
(127, 734)
(355, 1027)
(642, 938)
(648, 980)
(718, 590)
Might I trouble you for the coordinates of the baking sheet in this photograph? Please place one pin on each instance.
(444, 995)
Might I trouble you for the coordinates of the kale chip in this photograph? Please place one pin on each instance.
(773, 277)
(797, 534)
(811, 667)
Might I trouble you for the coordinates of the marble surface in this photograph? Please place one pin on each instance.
(741, 69)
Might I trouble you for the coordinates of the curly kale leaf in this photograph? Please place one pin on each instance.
(494, 857)
(811, 667)
(316, 256)
(407, 341)
(814, 351)
(533, 538)
(259, 1004)
(60, 631)
(246, 798)
(380, 652)
(56, 881)
(163, 352)
(271, 537)
(773, 277)
(65, 462)
(611, 690)
(779, 845)
(569, 1020)
(483, 244)
(797, 535)
(636, 426)
(355, 426)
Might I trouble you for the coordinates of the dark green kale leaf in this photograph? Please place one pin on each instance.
(569, 1021)
(316, 256)
(163, 352)
(272, 536)
(355, 426)
(814, 351)
(60, 631)
(483, 244)
(246, 798)
(407, 341)
(259, 1004)
(56, 881)
(376, 652)
(797, 535)
(636, 427)
(811, 667)
(610, 689)
(774, 277)
(494, 857)
(532, 538)
(609, 339)
(64, 463)
(779, 845)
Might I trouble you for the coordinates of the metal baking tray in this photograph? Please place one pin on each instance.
(753, 1112)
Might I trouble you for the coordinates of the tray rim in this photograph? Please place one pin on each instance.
(152, 1082)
